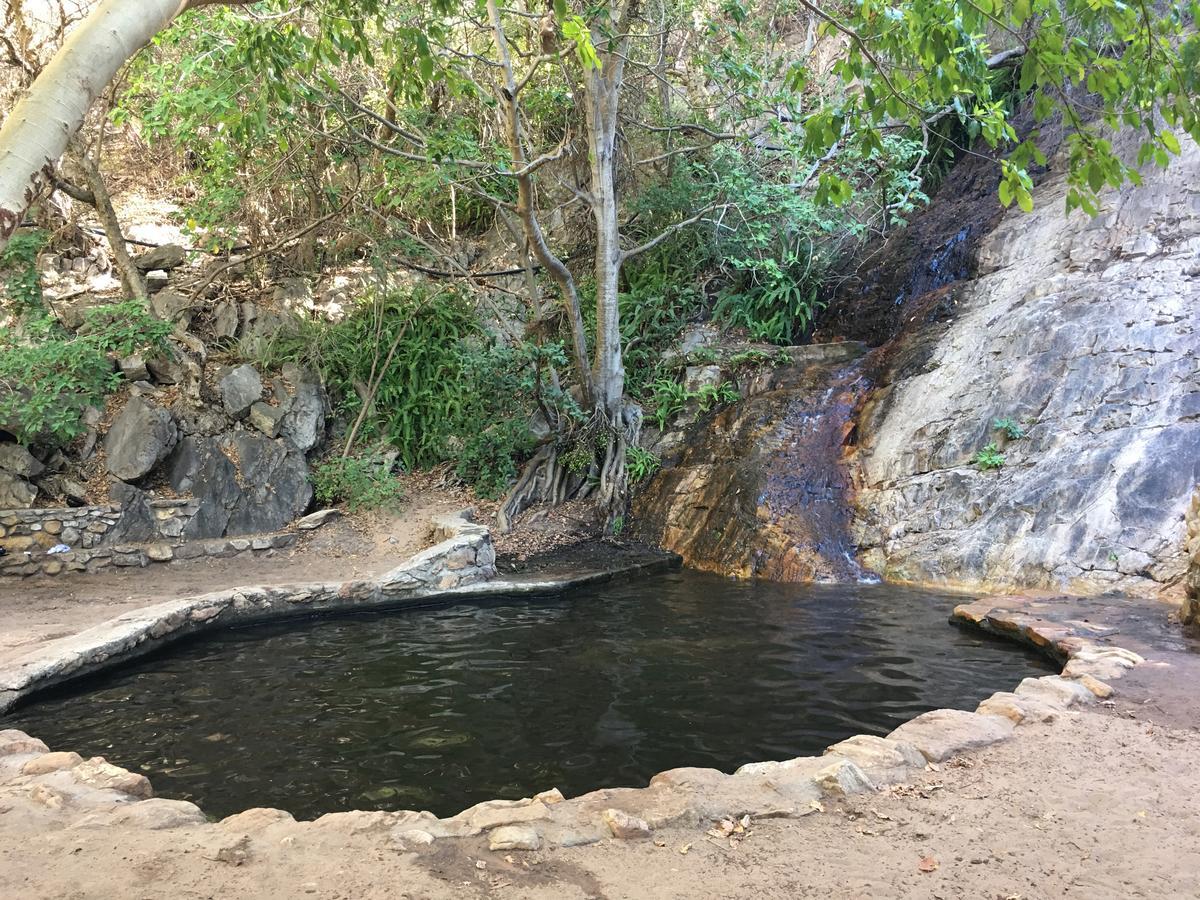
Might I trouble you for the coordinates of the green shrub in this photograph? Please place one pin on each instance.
(989, 457)
(18, 261)
(641, 464)
(1011, 428)
(48, 377)
(361, 481)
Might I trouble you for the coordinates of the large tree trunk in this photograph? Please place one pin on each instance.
(37, 131)
(621, 422)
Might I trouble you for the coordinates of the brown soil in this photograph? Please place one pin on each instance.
(1099, 805)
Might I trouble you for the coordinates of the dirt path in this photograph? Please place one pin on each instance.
(33, 611)
(1101, 804)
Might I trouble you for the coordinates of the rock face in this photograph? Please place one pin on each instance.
(761, 489)
(266, 488)
(1191, 601)
(141, 437)
(1085, 332)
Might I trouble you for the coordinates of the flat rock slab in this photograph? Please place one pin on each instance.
(943, 733)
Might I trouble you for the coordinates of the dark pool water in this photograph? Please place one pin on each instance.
(440, 708)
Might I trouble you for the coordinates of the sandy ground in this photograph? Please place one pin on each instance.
(1101, 804)
(35, 610)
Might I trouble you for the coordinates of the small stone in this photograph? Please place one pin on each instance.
(133, 367)
(44, 795)
(412, 837)
(156, 280)
(624, 826)
(317, 519)
(266, 418)
(160, 552)
(550, 797)
(52, 526)
(51, 762)
(1096, 686)
(225, 320)
(515, 837)
(257, 819)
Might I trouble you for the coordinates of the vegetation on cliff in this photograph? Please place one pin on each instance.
(539, 201)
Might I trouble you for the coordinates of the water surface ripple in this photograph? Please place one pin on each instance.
(608, 685)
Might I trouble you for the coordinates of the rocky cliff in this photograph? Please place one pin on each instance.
(1079, 336)
(1083, 333)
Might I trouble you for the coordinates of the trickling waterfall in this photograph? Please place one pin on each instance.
(762, 488)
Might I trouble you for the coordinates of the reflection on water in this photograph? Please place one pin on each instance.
(438, 709)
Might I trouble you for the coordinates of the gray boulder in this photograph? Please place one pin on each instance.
(16, 460)
(199, 467)
(141, 437)
(275, 485)
(266, 489)
(225, 320)
(304, 422)
(16, 492)
(168, 256)
(172, 306)
(240, 388)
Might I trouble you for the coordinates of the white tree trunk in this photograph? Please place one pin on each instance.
(37, 130)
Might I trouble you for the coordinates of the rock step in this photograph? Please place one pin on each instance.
(141, 555)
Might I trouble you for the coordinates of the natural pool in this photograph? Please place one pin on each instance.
(607, 685)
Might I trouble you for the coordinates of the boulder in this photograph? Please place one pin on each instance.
(303, 425)
(943, 733)
(172, 306)
(275, 485)
(16, 492)
(514, 837)
(199, 467)
(141, 437)
(99, 773)
(225, 320)
(266, 489)
(133, 367)
(18, 461)
(168, 256)
(883, 761)
(240, 387)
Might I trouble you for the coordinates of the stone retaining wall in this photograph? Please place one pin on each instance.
(463, 560)
(96, 536)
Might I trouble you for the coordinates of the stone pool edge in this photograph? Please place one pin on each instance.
(104, 794)
(461, 565)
